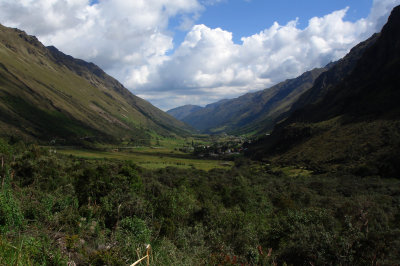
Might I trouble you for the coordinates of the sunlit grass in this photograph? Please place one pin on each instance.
(152, 158)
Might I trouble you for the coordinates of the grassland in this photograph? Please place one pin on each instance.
(150, 158)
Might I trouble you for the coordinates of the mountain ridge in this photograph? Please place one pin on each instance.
(45, 94)
(355, 124)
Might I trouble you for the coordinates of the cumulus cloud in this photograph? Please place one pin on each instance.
(209, 63)
(131, 41)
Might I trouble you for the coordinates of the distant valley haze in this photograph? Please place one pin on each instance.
(174, 53)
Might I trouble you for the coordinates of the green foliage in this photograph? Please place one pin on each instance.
(11, 217)
(5, 149)
(29, 250)
(303, 235)
(135, 229)
(132, 236)
(106, 257)
(57, 209)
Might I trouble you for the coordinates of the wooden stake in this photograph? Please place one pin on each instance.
(148, 256)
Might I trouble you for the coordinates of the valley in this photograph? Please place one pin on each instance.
(168, 153)
(306, 172)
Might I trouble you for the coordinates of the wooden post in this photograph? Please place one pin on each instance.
(148, 255)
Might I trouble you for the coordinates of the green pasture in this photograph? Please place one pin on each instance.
(151, 158)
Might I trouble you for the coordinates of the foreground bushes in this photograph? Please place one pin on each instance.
(56, 209)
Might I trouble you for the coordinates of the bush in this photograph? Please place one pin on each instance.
(135, 230)
(132, 236)
(11, 217)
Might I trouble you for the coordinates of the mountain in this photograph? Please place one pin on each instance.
(353, 123)
(335, 75)
(252, 112)
(183, 111)
(46, 95)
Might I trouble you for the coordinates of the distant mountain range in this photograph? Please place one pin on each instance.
(350, 118)
(47, 95)
(251, 113)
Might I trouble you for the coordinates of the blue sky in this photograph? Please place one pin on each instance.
(245, 18)
(176, 52)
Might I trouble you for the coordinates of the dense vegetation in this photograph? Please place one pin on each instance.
(56, 209)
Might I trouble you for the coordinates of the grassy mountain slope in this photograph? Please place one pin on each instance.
(45, 94)
(183, 111)
(355, 123)
(252, 112)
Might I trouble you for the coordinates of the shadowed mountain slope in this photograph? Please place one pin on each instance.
(354, 123)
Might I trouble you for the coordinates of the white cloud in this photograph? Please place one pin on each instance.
(131, 41)
(209, 63)
(379, 12)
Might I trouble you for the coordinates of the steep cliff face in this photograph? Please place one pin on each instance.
(45, 94)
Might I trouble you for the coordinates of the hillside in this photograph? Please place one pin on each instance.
(183, 111)
(352, 124)
(252, 112)
(47, 95)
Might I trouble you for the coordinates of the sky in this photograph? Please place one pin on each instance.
(177, 52)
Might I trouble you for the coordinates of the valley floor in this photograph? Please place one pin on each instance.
(151, 158)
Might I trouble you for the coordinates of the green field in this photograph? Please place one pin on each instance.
(150, 158)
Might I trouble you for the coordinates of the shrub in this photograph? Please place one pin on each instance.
(10, 212)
